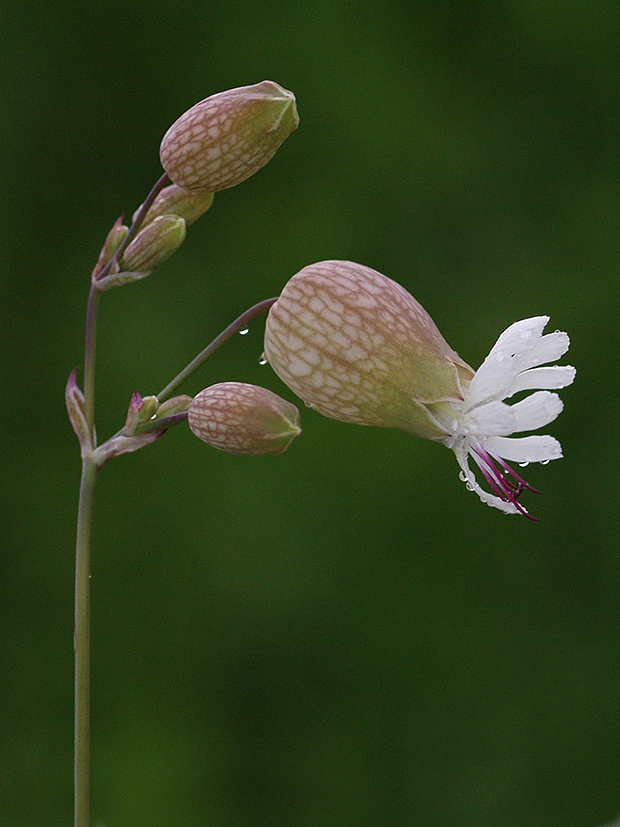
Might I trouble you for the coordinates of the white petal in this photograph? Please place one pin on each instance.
(536, 410)
(493, 380)
(520, 348)
(547, 349)
(521, 335)
(524, 449)
(555, 376)
(489, 420)
(495, 377)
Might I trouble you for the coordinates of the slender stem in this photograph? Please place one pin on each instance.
(82, 643)
(90, 346)
(161, 424)
(216, 344)
(93, 303)
(90, 468)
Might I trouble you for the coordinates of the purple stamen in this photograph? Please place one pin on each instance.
(507, 484)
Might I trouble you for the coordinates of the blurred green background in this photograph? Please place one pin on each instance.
(341, 635)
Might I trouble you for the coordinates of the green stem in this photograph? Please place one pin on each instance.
(93, 303)
(90, 468)
(239, 324)
(82, 642)
(89, 362)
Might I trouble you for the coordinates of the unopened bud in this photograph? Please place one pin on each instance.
(175, 200)
(154, 244)
(114, 239)
(148, 412)
(358, 347)
(141, 409)
(228, 137)
(176, 405)
(243, 419)
(76, 408)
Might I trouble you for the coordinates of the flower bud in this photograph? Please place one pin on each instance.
(141, 409)
(243, 419)
(76, 408)
(146, 414)
(358, 347)
(114, 239)
(175, 200)
(228, 137)
(174, 406)
(154, 244)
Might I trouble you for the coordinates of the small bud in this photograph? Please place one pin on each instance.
(115, 238)
(140, 410)
(228, 137)
(176, 405)
(76, 410)
(243, 419)
(175, 200)
(154, 244)
(148, 412)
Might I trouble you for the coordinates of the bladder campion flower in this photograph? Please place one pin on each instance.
(243, 419)
(357, 347)
(228, 137)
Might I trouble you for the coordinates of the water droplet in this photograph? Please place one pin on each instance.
(545, 461)
(469, 486)
(308, 404)
(523, 464)
(262, 360)
(244, 332)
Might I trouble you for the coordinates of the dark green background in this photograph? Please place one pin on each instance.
(341, 636)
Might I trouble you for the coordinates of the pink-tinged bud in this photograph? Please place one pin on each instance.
(175, 200)
(148, 412)
(358, 347)
(154, 244)
(174, 406)
(114, 239)
(74, 399)
(141, 409)
(243, 419)
(228, 137)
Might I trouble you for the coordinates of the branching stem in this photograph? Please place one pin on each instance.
(92, 460)
(239, 324)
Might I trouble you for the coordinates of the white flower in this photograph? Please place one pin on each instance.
(481, 425)
(357, 347)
